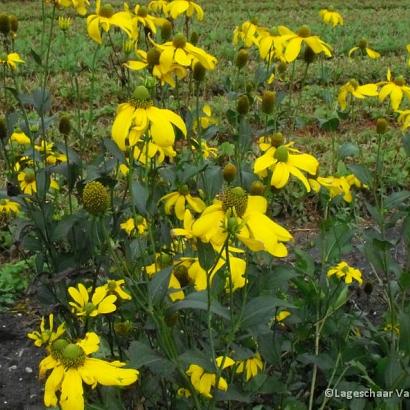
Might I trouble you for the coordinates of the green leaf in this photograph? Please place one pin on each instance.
(63, 227)
(158, 286)
(139, 195)
(396, 198)
(404, 341)
(36, 57)
(362, 173)
(406, 144)
(142, 355)
(199, 300)
(304, 262)
(206, 255)
(348, 149)
(113, 149)
(261, 309)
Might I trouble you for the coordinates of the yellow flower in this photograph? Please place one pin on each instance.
(203, 381)
(271, 46)
(114, 286)
(352, 88)
(100, 303)
(251, 366)
(395, 89)
(135, 118)
(71, 366)
(47, 336)
(339, 186)
(142, 17)
(294, 42)
(248, 32)
(158, 6)
(177, 7)
(392, 328)
(20, 137)
(138, 224)
(408, 50)
(11, 60)
(8, 207)
(206, 120)
(186, 231)
(27, 181)
(404, 119)
(182, 392)
(80, 6)
(105, 18)
(284, 161)
(206, 150)
(363, 47)
(343, 270)
(179, 51)
(281, 316)
(180, 200)
(64, 23)
(331, 17)
(151, 61)
(243, 216)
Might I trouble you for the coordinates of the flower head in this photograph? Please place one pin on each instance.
(140, 116)
(251, 366)
(239, 215)
(331, 17)
(304, 35)
(395, 88)
(180, 200)
(137, 224)
(355, 90)
(203, 381)
(115, 287)
(284, 161)
(188, 7)
(100, 303)
(343, 270)
(27, 181)
(46, 336)
(71, 366)
(11, 60)
(104, 18)
(95, 198)
(8, 207)
(365, 50)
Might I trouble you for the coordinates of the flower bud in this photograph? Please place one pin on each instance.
(268, 101)
(229, 172)
(304, 31)
(277, 139)
(64, 23)
(164, 260)
(153, 56)
(242, 105)
(257, 188)
(95, 198)
(242, 58)
(141, 93)
(14, 24)
(199, 72)
(282, 154)
(179, 41)
(107, 11)
(309, 55)
(3, 129)
(194, 38)
(5, 25)
(363, 44)
(400, 81)
(381, 125)
(166, 30)
(142, 11)
(64, 125)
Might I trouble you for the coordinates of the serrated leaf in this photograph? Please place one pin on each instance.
(396, 198)
(199, 301)
(261, 309)
(158, 286)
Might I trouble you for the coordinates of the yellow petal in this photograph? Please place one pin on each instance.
(72, 391)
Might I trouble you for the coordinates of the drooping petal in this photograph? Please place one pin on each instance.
(72, 391)
(293, 49)
(280, 175)
(53, 384)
